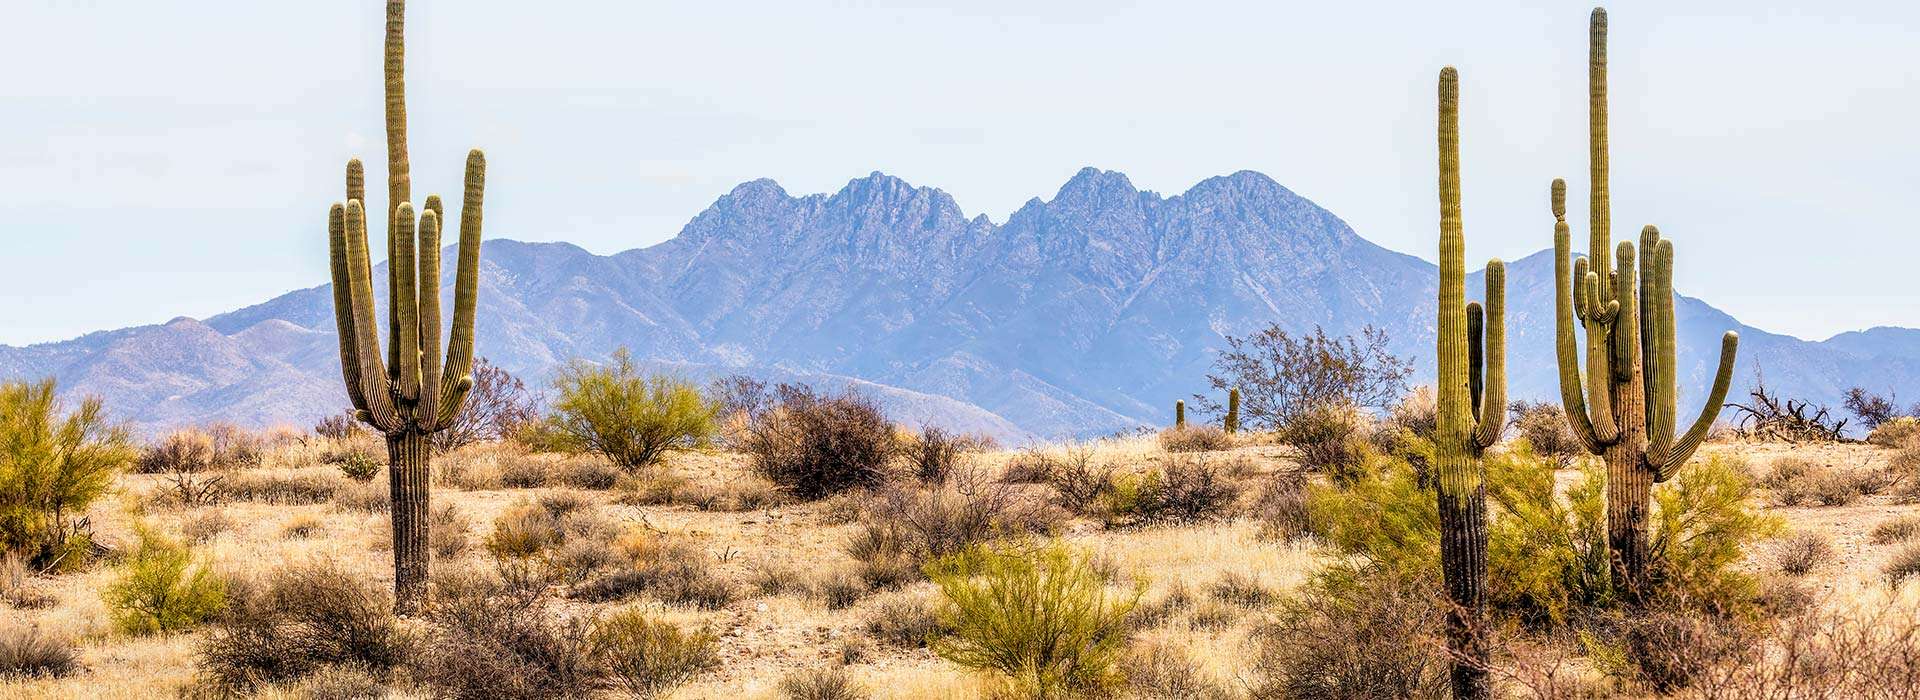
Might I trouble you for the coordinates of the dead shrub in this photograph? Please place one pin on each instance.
(298, 621)
(589, 474)
(187, 450)
(903, 620)
(1079, 484)
(904, 528)
(1330, 441)
(670, 569)
(1032, 466)
(1545, 428)
(491, 642)
(1861, 652)
(1201, 438)
(1802, 552)
(934, 453)
(649, 658)
(815, 445)
(1368, 634)
(277, 489)
(1897, 529)
(1281, 507)
(840, 590)
(1903, 565)
(821, 684)
(1182, 491)
(1163, 672)
(205, 526)
(524, 473)
(1667, 650)
(1237, 589)
(30, 652)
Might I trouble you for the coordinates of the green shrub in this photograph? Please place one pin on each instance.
(1546, 552)
(51, 468)
(29, 652)
(1701, 526)
(649, 658)
(302, 620)
(359, 466)
(162, 590)
(630, 418)
(1183, 491)
(1041, 619)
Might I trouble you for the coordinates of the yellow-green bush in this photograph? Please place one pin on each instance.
(1040, 618)
(51, 467)
(163, 590)
(649, 658)
(628, 417)
(1546, 551)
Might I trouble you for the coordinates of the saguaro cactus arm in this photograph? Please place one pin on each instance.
(1491, 394)
(359, 327)
(457, 377)
(1594, 428)
(1669, 459)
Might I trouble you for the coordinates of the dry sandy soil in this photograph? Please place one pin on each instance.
(761, 637)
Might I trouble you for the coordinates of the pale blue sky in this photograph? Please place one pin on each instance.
(163, 159)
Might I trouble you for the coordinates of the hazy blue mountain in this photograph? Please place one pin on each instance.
(1084, 313)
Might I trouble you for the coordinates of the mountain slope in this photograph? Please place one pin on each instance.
(1084, 313)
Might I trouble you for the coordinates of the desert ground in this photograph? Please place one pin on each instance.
(779, 557)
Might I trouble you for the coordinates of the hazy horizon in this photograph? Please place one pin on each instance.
(188, 171)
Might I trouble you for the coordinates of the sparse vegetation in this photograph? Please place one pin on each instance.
(648, 658)
(27, 651)
(1283, 376)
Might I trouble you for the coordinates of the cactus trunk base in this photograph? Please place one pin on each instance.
(1629, 505)
(1463, 554)
(409, 453)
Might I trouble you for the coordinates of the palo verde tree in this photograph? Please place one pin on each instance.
(408, 396)
(1472, 411)
(1630, 367)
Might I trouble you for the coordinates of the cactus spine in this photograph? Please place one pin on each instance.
(408, 396)
(1180, 415)
(1232, 423)
(1628, 317)
(1472, 411)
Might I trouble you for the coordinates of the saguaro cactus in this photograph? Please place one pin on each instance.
(1628, 317)
(1471, 412)
(1180, 415)
(1232, 422)
(410, 395)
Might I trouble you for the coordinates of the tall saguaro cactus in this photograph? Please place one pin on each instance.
(1630, 363)
(1472, 411)
(1180, 415)
(409, 395)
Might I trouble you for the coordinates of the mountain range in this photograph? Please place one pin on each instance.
(1082, 314)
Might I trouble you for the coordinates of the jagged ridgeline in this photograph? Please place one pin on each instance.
(411, 394)
(1627, 312)
(1472, 401)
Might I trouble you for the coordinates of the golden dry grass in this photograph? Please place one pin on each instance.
(763, 638)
